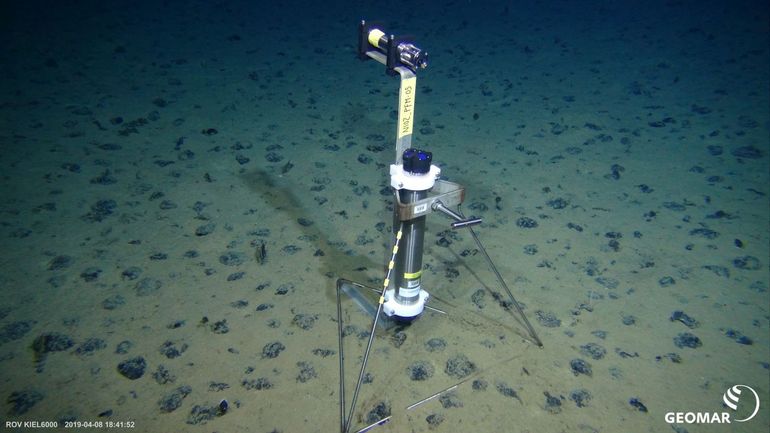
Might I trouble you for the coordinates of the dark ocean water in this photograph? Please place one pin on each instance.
(183, 183)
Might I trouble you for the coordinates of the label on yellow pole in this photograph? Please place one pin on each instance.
(406, 106)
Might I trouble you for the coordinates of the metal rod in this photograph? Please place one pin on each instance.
(500, 279)
(435, 310)
(460, 220)
(386, 281)
(363, 369)
(427, 399)
(342, 357)
(439, 206)
(466, 223)
(371, 426)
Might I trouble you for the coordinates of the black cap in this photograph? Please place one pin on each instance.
(417, 161)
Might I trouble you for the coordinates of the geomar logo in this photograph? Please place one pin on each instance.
(733, 396)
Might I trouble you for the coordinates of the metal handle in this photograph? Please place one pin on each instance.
(460, 222)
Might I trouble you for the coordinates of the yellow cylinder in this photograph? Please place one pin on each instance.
(374, 37)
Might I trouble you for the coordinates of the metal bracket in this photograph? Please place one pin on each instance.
(449, 193)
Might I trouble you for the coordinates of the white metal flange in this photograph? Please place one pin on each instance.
(400, 179)
(392, 307)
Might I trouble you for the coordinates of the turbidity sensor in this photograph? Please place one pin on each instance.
(417, 192)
